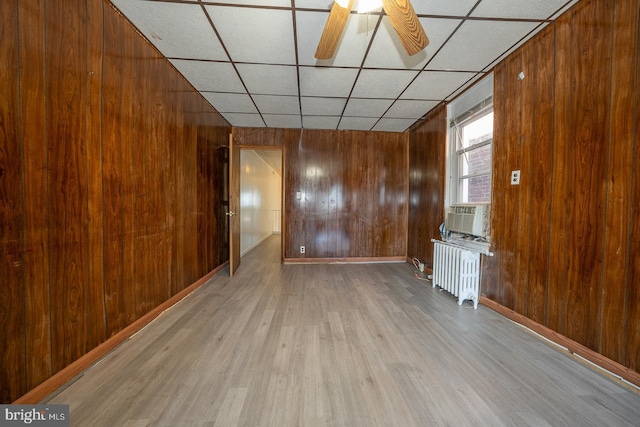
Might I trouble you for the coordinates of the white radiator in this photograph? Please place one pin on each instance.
(457, 271)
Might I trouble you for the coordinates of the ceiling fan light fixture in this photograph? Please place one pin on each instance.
(366, 6)
(400, 12)
(333, 29)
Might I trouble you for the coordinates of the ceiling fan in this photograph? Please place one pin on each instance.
(400, 12)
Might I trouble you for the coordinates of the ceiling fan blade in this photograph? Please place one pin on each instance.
(333, 30)
(406, 23)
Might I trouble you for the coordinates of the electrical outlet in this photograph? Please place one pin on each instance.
(515, 177)
(302, 249)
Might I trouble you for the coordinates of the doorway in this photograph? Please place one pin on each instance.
(260, 196)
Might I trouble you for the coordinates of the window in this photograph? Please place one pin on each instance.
(471, 141)
(470, 118)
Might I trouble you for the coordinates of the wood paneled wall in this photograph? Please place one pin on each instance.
(566, 239)
(427, 161)
(109, 169)
(353, 188)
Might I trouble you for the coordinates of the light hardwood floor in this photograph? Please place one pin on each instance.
(338, 345)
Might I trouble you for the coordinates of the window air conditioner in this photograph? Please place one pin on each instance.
(469, 219)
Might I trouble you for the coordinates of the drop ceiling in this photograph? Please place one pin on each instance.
(253, 60)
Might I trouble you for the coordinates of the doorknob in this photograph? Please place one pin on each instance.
(232, 213)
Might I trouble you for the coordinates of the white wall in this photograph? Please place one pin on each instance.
(260, 195)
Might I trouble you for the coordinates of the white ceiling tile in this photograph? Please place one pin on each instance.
(393, 125)
(353, 44)
(199, 74)
(230, 102)
(435, 85)
(387, 50)
(269, 79)
(382, 83)
(317, 106)
(275, 3)
(477, 43)
(478, 89)
(332, 82)
(409, 109)
(320, 122)
(255, 35)
(357, 107)
(521, 9)
(443, 7)
(282, 121)
(276, 104)
(177, 30)
(513, 48)
(357, 123)
(244, 120)
(314, 4)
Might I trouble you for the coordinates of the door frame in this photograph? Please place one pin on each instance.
(234, 206)
(282, 188)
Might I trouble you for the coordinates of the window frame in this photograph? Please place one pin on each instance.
(455, 180)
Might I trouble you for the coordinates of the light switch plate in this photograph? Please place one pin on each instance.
(515, 177)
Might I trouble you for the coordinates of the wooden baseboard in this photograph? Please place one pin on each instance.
(574, 347)
(65, 375)
(354, 260)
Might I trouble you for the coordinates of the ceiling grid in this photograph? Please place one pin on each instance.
(253, 60)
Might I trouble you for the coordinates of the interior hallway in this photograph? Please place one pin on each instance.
(338, 345)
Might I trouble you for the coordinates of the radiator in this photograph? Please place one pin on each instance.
(457, 271)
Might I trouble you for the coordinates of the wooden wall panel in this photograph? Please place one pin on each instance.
(114, 140)
(619, 178)
(320, 171)
(427, 160)
(176, 201)
(12, 330)
(564, 238)
(95, 287)
(35, 191)
(160, 185)
(517, 275)
(67, 164)
(363, 200)
(507, 141)
(394, 197)
(539, 125)
(141, 205)
(631, 332)
(524, 189)
(375, 205)
(560, 178)
(185, 183)
(205, 180)
(268, 137)
(98, 184)
(589, 144)
(126, 121)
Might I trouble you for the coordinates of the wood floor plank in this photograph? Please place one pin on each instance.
(338, 345)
